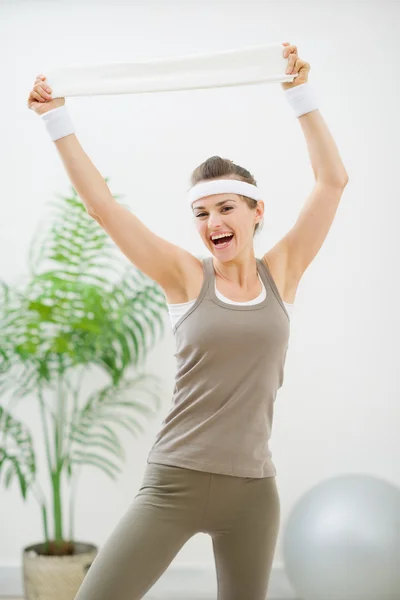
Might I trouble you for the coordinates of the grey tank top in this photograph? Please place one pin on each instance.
(230, 365)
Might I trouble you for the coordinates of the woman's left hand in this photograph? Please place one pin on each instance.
(295, 65)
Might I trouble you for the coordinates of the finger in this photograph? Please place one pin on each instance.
(300, 64)
(46, 88)
(39, 89)
(296, 66)
(35, 96)
(41, 79)
(38, 95)
(291, 63)
(290, 50)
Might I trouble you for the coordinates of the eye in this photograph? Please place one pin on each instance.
(223, 208)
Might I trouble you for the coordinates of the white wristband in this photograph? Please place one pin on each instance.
(58, 122)
(302, 99)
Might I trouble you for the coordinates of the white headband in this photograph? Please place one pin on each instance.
(223, 186)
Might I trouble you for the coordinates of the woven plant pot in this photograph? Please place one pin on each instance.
(55, 577)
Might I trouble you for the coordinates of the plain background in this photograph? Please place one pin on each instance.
(338, 411)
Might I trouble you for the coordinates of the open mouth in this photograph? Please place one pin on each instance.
(223, 242)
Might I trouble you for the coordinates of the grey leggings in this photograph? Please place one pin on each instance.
(173, 504)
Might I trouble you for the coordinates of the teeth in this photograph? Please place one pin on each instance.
(221, 235)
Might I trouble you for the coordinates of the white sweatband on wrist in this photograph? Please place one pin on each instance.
(302, 99)
(223, 186)
(58, 122)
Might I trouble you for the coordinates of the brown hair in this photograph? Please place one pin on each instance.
(216, 167)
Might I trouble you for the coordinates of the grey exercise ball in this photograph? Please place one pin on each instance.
(342, 541)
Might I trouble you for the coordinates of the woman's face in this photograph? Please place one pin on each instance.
(226, 214)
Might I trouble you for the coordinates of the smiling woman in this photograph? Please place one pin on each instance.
(231, 328)
(215, 168)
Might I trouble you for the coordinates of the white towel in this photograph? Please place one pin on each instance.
(243, 66)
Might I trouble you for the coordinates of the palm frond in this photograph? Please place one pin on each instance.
(94, 428)
(17, 457)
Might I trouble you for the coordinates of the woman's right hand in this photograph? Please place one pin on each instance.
(40, 100)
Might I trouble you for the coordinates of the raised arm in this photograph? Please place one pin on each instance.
(159, 259)
(291, 256)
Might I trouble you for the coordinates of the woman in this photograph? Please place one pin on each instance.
(210, 468)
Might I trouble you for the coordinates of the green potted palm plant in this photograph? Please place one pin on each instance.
(80, 311)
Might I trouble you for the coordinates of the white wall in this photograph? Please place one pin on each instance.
(338, 411)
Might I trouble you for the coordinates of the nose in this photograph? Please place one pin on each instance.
(214, 221)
